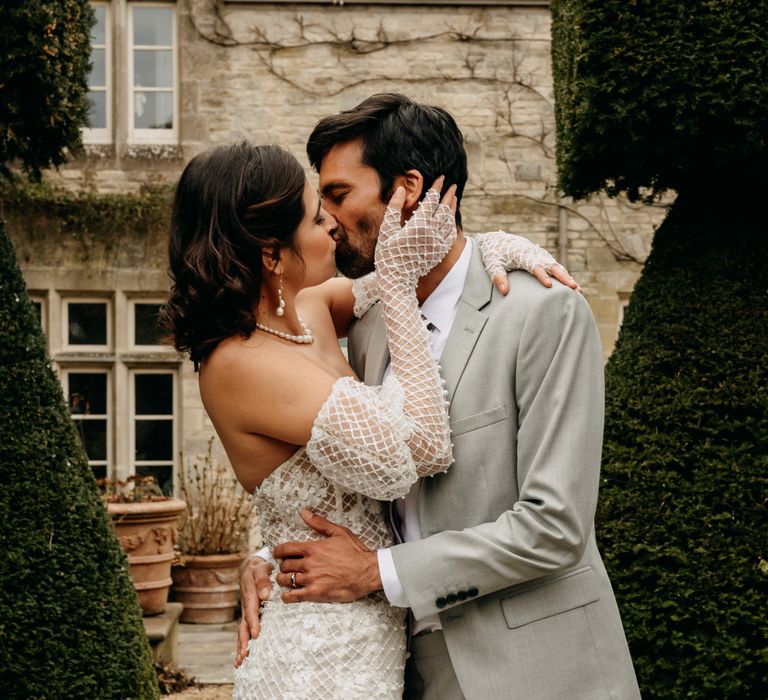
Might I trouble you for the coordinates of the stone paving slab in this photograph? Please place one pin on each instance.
(207, 692)
(207, 652)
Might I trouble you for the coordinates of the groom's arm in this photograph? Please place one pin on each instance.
(559, 385)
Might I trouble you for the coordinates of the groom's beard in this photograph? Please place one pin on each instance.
(354, 258)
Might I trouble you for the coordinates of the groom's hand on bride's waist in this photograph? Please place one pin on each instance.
(337, 569)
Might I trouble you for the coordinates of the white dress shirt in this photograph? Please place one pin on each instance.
(439, 311)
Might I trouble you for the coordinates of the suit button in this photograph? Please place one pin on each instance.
(451, 598)
(462, 595)
(440, 602)
(472, 592)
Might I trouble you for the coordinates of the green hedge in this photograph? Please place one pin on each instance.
(659, 93)
(44, 63)
(683, 514)
(70, 624)
(87, 214)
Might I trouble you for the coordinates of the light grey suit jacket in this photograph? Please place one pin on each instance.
(509, 558)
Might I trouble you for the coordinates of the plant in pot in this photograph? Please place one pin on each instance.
(213, 537)
(145, 523)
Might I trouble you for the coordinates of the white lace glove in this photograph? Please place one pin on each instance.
(504, 252)
(501, 252)
(378, 440)
(404, 255)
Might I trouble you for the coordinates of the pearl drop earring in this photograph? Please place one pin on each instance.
(280, 310)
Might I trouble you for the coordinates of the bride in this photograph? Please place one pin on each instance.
(256, 304)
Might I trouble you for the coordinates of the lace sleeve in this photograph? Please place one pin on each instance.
(403, 255)
(365, 289)
(360, 439)
(379, 440)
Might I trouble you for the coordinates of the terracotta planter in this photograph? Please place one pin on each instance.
(209, 587)
(147, 534)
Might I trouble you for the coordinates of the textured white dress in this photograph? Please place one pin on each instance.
(321, 650)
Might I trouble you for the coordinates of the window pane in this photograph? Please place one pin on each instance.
(153, 110)
(87, 323)
(152, 26)
(145, 327)
(163, 476)
(98, 75)
(154, 440)
(93, 433)
(87, 394)
(154, 394)
(153, 69)
(97, 113)
(100, 472)
(99, 31)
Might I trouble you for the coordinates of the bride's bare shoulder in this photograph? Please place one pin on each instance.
(261, 386)
(238, 359)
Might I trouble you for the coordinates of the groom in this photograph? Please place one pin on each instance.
(498, 564)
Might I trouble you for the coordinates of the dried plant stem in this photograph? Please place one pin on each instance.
(218, 515)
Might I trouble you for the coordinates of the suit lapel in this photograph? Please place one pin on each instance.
(467, 325)
(465, 330)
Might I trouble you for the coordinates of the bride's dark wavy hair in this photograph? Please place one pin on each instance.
(231, 203)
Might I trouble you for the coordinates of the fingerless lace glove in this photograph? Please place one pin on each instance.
(504, 252)
(378, 440)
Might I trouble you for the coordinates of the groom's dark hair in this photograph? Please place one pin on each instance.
(398, 135)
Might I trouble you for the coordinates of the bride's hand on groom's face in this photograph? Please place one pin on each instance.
(337, 569)
(255, 588)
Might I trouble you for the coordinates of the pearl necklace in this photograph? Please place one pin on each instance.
(306, 337)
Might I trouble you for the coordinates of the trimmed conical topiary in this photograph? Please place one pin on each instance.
(673, 95)
(683, 518)
(658, 94)
(70, 624)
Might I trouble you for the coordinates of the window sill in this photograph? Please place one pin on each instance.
(153, 151)
(79, 356)
(164, 357)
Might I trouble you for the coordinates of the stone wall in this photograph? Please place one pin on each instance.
(267, 72)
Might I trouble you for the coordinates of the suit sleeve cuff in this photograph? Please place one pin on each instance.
(390, 581)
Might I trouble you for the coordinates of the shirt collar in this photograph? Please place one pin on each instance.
(439, 307)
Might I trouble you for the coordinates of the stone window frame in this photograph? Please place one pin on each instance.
(136, 135)
(137, 369)
(131, 321)
(104, 135)
(68, 368)
(120, 133)
(77, 298)
(120, 359)
(41, 299)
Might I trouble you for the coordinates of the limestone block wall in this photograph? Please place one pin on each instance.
(268, 71)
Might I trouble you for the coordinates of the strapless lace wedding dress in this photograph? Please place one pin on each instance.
(321, 650)
(367, 444)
